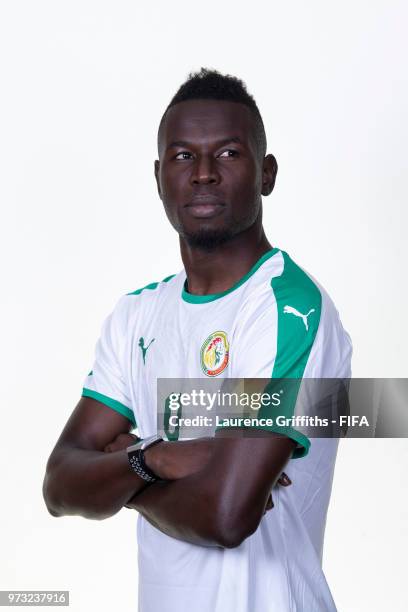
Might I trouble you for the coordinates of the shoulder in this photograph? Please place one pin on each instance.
(295, 291)
(156, 286)
(128, 307)
(149, 294)
(308, 324)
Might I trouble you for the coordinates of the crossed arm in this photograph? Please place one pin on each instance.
(214, 491)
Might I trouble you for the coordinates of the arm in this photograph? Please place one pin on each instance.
(80, 477)
(88, 471)
(223, 503)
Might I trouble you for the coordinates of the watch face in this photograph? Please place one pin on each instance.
(135, 447)
(143, 444)
(149, 441)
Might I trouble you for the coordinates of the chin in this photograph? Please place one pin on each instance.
(207, 238)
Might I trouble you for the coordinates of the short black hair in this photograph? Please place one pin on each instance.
(212, 85)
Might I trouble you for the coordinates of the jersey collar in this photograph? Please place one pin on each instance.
(210, 297)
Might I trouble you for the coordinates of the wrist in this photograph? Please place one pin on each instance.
(154, 458)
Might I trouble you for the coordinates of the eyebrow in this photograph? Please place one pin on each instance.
(220, 143)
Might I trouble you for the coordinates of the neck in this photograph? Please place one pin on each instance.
(218, 270)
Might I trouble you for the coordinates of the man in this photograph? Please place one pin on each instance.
(239, 308)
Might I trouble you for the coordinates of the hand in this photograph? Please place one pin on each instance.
(169, 460)
(121, 442)
(174, 460)
(284, 481)
(181, 459)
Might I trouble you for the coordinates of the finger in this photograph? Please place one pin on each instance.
(284, 480)
(121, 441)
(269, 503)
(127, 438)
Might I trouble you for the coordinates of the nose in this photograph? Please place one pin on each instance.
(205, 171)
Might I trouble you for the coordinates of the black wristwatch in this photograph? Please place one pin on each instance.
(136, 458)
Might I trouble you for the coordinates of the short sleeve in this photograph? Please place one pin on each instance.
(275, 349)
(106, 382)
(276, 341)
(292, 336)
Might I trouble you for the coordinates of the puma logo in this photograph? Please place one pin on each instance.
(291, 310)
(144, 348)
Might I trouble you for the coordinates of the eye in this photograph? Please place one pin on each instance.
(228, 153)
(183, 155)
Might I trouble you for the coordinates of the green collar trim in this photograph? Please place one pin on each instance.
(203, 299)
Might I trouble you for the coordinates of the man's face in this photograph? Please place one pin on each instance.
(210, 174)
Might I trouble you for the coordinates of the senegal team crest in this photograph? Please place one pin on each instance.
(214, 354)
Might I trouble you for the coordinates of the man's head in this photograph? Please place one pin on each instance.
(212, 168)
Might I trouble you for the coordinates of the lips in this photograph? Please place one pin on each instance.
(206, 197)
(203, 206)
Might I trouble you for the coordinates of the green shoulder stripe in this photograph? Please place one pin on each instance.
(299, 305)
(152, 285)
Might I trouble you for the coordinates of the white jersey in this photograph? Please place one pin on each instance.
(275, 322)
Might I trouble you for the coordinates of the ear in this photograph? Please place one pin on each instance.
(156, 174)
(269, 172)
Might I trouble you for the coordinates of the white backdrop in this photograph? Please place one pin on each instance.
(83, 86)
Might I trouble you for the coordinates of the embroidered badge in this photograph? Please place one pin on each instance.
(214, 353)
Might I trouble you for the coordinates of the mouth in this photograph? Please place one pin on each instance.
(204, 206)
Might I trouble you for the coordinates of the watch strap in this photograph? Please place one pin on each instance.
(138, 464)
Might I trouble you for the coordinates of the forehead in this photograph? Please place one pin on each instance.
(207, 121)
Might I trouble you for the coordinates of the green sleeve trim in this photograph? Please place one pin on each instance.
(108, 401)
(303, 442)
